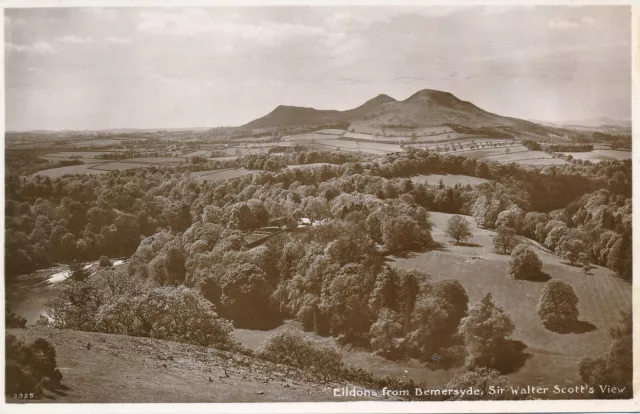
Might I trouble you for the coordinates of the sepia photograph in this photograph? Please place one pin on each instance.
(318, 203)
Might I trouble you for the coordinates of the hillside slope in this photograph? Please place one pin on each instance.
(425, 108)
(127, 369)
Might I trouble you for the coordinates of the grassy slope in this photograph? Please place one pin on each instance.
(554, 357)
(127, 369)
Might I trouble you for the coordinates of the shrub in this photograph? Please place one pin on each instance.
(77, 272)
(458, 228)
(290, 348)
(105, 262)
(558, 305)
(12, 320)
(30, 366)
(524, 263)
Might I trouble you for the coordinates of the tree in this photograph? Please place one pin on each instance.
(402, 233)
(572, 249)
(614, 367)
(485, 331)
(245, 295)
(383, 333)
(458, 228)
(524, 263)
(558, 306)
(173, 313)
(505, 240)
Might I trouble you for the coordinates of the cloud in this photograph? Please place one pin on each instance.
(563, 24)
(588, 20)
(74, 39)
(119, 40)
(42, 48)
(193, 22)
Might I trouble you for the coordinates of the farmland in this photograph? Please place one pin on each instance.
(598, 155)
(448, 180)
(222, 174)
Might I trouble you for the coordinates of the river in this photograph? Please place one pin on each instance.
(27, 299)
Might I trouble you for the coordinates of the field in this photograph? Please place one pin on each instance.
(73, 169)
(517, 154)
(222, 174)
(481, 271)
(305, 137)
(330, 131)
(600, 155)
(374, 148)
(448, 180)
(112, 166)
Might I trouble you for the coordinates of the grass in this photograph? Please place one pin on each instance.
(73, 169)
(224, 174)
(125, 369)
(554, 356)
(600, 155)
(377, 365)
(448, 180)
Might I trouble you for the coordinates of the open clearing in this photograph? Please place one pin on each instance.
(449, 180)
(554, 357)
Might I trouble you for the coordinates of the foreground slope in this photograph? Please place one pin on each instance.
(127, 369)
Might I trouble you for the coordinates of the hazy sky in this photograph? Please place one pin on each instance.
(116, 68)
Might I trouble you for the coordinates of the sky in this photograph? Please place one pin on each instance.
(90, 68)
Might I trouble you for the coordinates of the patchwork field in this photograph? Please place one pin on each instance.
(481, 271)
(223, 174)
(448, 180)
(600, 155)
(517, 153)
(73, 169)
(112, 166)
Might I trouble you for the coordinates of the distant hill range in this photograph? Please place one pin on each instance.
(598, 124)
(425, 108)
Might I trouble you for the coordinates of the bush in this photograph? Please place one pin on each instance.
(77, 272)
(105, 262)
(11, 320)
(290, 348)
(458, 228)
(30, 367)
(558, 306)
(524, 264)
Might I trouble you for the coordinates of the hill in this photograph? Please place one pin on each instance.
(126, 369)
(425, 108)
